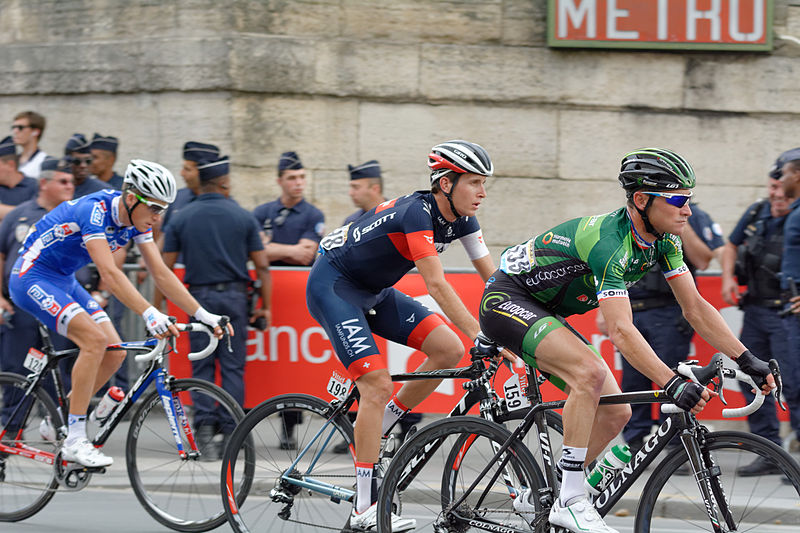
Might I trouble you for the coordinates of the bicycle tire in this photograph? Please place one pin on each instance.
(264, 427)
(26, 485)
(748, 497)
(435, 486)
(179, 492)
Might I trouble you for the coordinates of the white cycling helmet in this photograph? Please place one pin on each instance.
(151, 179)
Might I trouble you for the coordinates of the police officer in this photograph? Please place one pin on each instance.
(366, 187)
(15, 188)
(104, 155)
(657, 315)
(194, 153)
(216, 238)
(19, 330)
(752, 257)
(78, 152)
(292, 226)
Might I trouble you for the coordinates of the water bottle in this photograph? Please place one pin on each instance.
(606, 468)
(110, 399)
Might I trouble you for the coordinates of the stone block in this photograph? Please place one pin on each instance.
(267, 64)
(317, 18)
(524, 23)
(463, 22)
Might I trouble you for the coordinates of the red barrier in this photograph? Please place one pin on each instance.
(294, 355)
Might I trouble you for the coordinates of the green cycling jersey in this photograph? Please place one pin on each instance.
(573, 266)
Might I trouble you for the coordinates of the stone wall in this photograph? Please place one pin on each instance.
(344, 81)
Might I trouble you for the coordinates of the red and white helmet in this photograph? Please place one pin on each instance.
(460, 157)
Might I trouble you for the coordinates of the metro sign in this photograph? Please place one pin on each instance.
(670, 24)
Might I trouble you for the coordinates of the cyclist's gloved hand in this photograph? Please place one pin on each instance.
(684, 393)
(754, 367)
(485, 346)
(157, 322)
(210, 319)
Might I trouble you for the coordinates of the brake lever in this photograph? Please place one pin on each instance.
(718, 385)
(776, 373)
(223, 323)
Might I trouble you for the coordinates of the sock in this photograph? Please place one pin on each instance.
(364, 482)
(571, 463)
(394, 411)
(77, 429)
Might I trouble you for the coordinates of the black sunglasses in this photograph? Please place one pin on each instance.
(81, 161)
(19, 127)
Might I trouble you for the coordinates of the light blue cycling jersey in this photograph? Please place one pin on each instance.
(57, 242)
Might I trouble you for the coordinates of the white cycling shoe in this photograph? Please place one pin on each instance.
(523, 504)
(83, 452)
(578, 517)
(47, 430)
(368, 521)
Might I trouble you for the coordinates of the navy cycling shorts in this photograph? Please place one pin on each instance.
(350, 314)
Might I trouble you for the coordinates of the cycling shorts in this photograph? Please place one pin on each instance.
(514, 319)
(350, 314)
(54, 299)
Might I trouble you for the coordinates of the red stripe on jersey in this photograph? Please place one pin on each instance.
(423, 329)
(385, 205)
(415, 245)
(365, 365)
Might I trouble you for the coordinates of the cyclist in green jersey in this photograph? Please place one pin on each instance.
(589, 262)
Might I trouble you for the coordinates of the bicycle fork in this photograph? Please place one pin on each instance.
(707, 475)
(176, 416)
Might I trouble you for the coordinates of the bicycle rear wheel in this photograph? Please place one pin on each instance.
(285, 430)
(439, 464)
(182, 492)
(26, 485)
(671, 500)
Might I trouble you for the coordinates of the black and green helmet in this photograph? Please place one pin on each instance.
(655, 168)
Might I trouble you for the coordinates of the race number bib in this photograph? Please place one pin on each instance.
(35, 361)
(339, 386)
(335, 239)
(515, 389)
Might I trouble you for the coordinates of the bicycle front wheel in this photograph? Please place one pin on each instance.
(181, 490)
(26, 485)
(433, 470)
(300, 482)
(671, 499)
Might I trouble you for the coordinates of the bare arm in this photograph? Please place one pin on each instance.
(166, 280)
(114, 278)
(619, 321)
(730, 286)
(259, 258)
(300, 254)
(432, 272)
(484, 266)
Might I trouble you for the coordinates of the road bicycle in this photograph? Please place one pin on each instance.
(465, 473)
(309, 486)
(172, 476)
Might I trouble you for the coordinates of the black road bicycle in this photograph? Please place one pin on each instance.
(310, 486)
(175, 480)
(464, 473)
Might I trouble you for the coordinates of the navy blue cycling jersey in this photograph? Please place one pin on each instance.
(57, 242)
(381, 246)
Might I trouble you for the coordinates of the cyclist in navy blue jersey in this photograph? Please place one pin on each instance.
(92, 228)
(350, 294)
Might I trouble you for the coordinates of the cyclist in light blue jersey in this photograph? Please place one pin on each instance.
(91, 229)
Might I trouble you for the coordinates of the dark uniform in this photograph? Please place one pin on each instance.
(216, 237)
(24, 190)
(790, 270)
(90, 186)
(182, 199)
(287, 225)
(759, 238)
(658, 317)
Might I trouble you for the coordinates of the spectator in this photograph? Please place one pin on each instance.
(216, 238)
(292, 226)
(194, 153)
(366, 187)
(104, 155)
(752, 257)
(27, 131)
(79, 155)
(790, 282)
(14, 187)
(19, 330)
(660, 320)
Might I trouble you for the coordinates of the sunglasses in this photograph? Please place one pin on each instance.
(154, 207)
(678, 200)
(19, 127)
(81, 161)
(283, 214)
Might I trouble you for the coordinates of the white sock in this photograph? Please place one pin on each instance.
(571, 463)
(363, 486)
(394, 411)
(77, 429)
